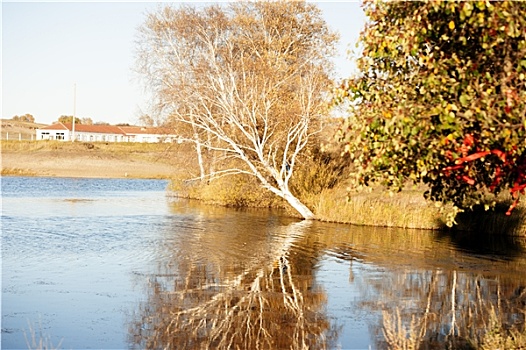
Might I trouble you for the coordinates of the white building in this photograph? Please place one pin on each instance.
(105, 133)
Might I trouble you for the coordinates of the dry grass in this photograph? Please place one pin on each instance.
(400, 336)
(40, 341)
(231, 191)
(500, 337)
(80, 159)
(16, 130)
(407, 209)
(104, 147)
(17, 172)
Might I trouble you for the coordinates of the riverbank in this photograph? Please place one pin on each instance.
(176, 162)
(407, 209)
(96, 160)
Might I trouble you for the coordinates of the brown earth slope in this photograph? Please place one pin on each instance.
(102, 160)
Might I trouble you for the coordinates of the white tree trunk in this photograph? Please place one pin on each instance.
(301, 208)
(199, 151)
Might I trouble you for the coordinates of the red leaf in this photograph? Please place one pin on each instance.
(472, 157)
(468, 180)
(497, 179)
(512, 206)
(468, 140)
(518, 188)
(453, 167)
(499, 154)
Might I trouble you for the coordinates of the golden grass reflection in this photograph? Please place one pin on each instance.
(439, 291)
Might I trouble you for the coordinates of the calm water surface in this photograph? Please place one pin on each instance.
(93, 263)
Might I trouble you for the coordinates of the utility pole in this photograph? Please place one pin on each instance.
(74, 112)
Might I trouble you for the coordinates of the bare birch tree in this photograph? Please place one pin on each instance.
(247, 78)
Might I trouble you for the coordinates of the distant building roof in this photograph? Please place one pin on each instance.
(109, 129)
(145, 130)
(58, 126)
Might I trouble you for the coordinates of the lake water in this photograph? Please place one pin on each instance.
(93, 263)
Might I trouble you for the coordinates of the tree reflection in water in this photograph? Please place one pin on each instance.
(272, 303)
(251, 286)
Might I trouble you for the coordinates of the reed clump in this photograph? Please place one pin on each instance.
(231, 191)
(409, 209)
(500, 335)
(17, 172)
(400, 336)
(39, 341)
(501, 338)
(406, 209)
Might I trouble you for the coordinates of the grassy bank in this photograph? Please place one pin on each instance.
(407, 209)
(81, 159)
(18, 130)
(123, 148)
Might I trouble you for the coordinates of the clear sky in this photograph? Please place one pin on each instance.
(49, 47)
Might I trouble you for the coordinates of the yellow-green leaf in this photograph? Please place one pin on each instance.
(464, 100)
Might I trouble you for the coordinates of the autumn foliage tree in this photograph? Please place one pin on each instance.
(69, 119)
(24, 118)
(441, 99)
(245, 80)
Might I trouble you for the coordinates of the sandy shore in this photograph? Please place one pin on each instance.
(79, 165)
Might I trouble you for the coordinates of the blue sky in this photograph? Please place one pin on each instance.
(48, 47)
